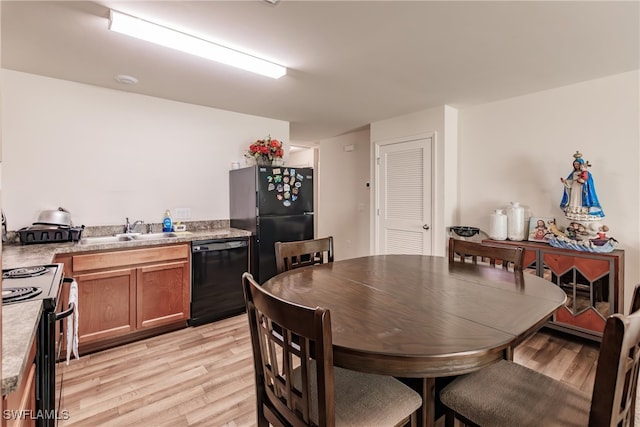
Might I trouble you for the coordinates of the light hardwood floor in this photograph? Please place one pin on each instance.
(203, 376)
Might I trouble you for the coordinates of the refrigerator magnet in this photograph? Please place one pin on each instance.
(298, 184)
(279, 188)
(286, 172)
(286, 203)
(299, 177)
(287, 187)
(287, 195)
(279, 196)
(276, 171)
(271, 187)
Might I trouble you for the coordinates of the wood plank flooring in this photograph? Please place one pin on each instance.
(203, 376)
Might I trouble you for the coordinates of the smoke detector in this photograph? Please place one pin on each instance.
(125, 79)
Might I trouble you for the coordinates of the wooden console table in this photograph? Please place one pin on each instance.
(593, 282)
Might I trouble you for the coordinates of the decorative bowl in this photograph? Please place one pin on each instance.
(465, 231)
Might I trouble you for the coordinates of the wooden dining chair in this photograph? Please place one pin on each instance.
(296, 382)
(509, 394)
(290, 255)
(466, 251)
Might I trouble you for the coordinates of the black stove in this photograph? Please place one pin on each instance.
(42, 282)
(32, 283)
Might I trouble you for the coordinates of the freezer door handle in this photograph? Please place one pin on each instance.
(308, 213)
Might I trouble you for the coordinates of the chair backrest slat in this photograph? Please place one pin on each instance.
(465, 251)
(290, 255)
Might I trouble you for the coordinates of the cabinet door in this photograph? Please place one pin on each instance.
(162, 294)
(106, 304)
(588, 283)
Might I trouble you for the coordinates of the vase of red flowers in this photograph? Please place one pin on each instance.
(265, 151)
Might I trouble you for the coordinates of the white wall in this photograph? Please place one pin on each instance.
(442, 122)
(517, 149)
(343, 196)
(302, 158)
(105, 155)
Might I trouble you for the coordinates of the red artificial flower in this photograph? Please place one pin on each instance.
(266, 148)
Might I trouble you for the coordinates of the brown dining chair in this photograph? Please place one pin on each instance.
(509, 394)
(465, 251)
(296, 382)
(290, 255)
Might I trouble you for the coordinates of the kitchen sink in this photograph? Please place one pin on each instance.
(104, 239)
(154, 236)
(126, 237)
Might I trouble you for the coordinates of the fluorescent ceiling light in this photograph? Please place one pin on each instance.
(154, 33)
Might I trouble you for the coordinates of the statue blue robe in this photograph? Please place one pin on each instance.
(589, 197)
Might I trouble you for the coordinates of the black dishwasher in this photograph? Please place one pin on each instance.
(216, 278)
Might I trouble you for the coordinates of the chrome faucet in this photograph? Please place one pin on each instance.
(130, 228)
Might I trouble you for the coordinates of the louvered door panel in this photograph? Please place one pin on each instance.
(404, 198)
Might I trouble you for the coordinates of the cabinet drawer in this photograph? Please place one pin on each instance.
(105, 260)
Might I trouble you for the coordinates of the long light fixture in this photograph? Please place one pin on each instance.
(158, 34)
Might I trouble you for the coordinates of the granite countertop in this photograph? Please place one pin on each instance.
(20, 321)
(16, 255)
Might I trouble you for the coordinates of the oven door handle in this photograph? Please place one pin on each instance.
(68, 312)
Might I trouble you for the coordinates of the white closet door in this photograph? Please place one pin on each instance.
(404, 198)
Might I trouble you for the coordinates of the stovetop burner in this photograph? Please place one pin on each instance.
(18, 294)
(20, 273)
(37, 282)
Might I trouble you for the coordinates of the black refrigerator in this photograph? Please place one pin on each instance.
(275, 203)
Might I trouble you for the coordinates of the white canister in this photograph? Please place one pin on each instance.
(498, 225)
(515, 222)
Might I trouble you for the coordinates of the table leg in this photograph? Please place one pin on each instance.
(428, 409)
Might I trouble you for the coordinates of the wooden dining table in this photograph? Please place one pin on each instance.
(421, 317)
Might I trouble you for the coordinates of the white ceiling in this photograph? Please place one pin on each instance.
(350, 62)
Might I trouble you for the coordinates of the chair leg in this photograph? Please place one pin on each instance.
(508, 354)
(449, 418)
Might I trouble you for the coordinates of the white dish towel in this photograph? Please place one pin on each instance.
(72, 323)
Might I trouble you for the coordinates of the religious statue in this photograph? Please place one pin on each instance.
(583, 211)
(579, 200)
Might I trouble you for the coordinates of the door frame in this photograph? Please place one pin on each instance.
(435, 221)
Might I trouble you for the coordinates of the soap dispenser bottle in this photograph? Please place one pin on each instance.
(167, 222)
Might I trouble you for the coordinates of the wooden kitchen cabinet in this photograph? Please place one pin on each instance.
(162, 298)
(125, 295)
(107, 304)
(593, 282)
(21, 404)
